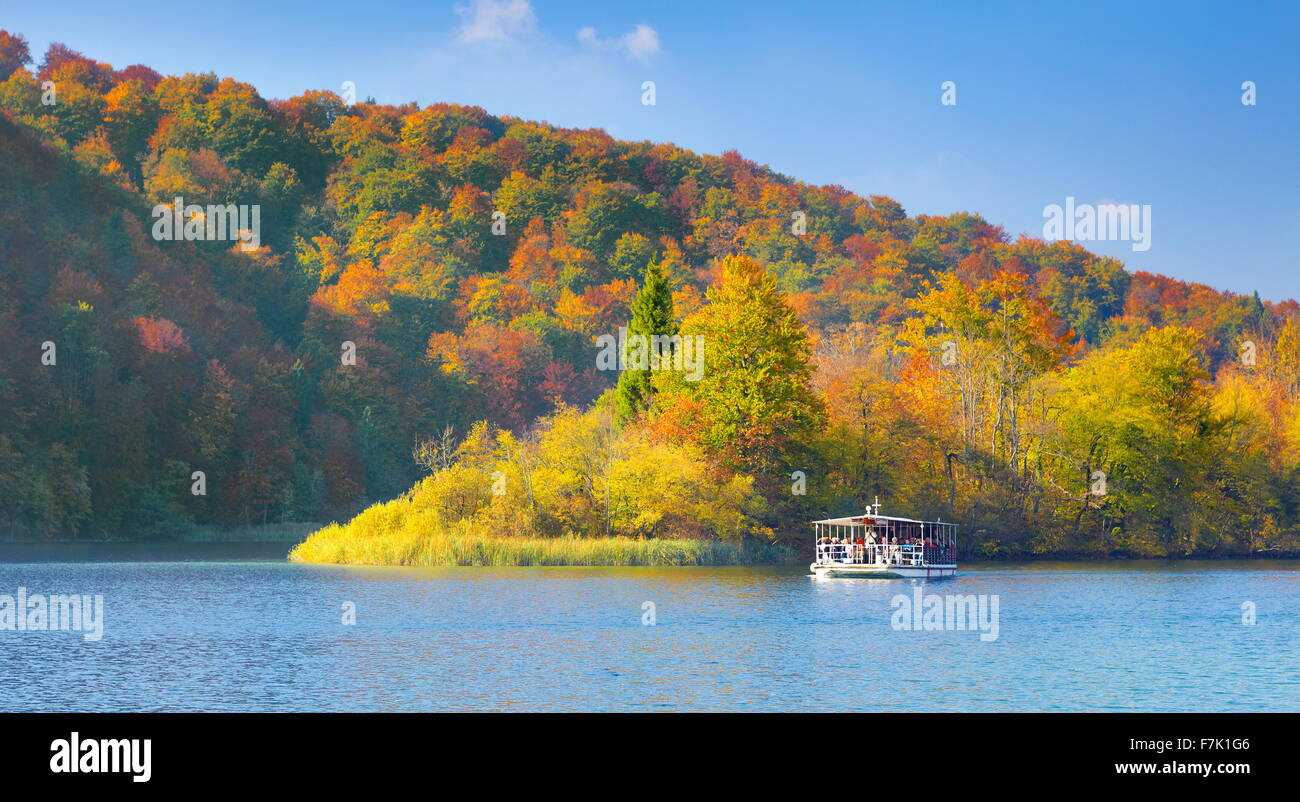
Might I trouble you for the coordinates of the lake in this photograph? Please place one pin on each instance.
(237, 628)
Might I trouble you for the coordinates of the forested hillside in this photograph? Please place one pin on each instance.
(1046, 398)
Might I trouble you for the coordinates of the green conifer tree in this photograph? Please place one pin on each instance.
(652, 313)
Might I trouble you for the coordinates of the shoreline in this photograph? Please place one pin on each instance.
(291, 533)
(138, 551)
(470, 551)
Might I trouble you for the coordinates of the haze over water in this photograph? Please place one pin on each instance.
(266, 635)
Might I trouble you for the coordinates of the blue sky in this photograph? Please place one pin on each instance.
(1129, 102)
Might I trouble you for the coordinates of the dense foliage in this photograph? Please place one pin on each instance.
(1042, 396)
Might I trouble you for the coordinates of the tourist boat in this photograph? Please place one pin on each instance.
(875, 545)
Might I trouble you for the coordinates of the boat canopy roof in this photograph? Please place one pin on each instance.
(865, 517)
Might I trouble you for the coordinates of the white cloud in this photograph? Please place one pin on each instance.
(495, 20)
(501, 56)
(640, 43)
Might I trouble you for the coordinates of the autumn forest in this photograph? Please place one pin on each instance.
(411, 350)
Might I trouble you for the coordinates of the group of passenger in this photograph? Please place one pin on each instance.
(933, 551)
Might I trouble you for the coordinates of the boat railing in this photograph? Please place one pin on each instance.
(906, 554)
(839, 553)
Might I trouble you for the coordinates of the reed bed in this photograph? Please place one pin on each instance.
(400, 546)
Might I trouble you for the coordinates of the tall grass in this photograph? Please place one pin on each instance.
(402, 546)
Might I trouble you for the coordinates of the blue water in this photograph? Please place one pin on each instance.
(267, 635)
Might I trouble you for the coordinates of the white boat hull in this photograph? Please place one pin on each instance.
(884, 571)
